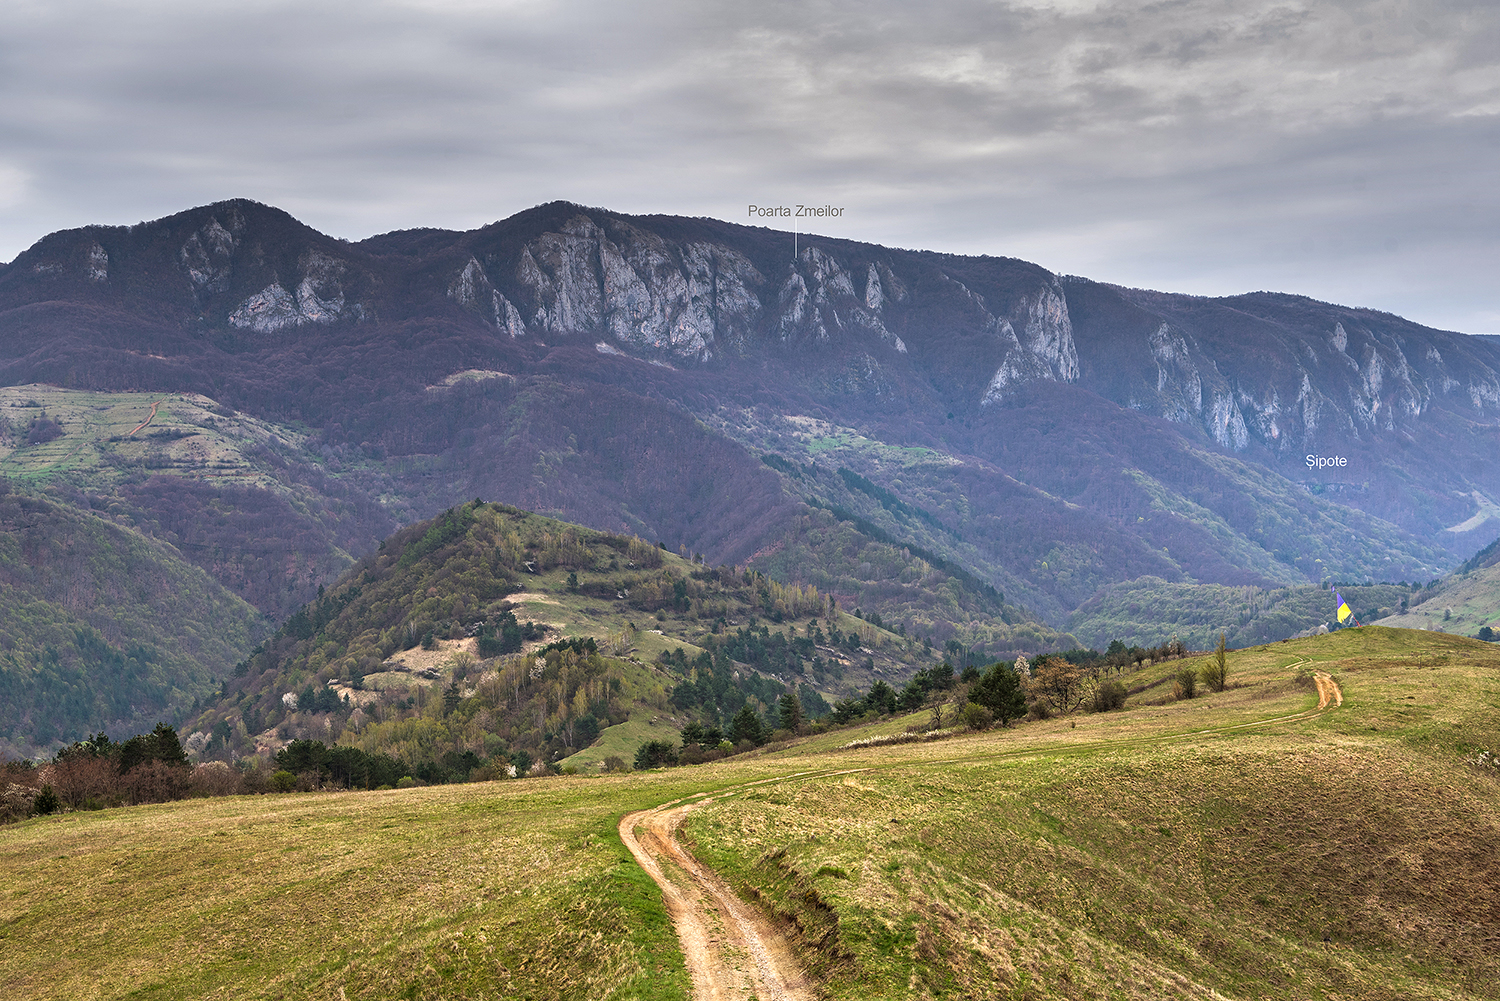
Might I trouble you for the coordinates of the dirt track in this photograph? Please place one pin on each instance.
(735, 952)
(1328, 690)
(732, 950)
(148, 420)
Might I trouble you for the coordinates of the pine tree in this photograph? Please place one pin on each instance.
(746, 726)
(999, 691)
(791, 712)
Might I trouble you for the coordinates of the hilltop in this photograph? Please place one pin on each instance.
(490, 635)
(1248, 843)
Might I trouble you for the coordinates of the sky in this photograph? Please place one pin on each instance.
(1342, 149)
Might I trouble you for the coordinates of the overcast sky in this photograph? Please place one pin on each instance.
(1344, 150)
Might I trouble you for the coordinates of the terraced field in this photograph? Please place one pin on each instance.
(105, 435)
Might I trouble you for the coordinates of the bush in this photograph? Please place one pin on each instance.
(156, 782)
(284, 781)
(215, 778)
(1185, 685)
(977, 717)
(614, 763)
(999, 691)
(1109, 695)
(1215, 673)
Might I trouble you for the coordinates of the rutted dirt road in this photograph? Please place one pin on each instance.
(1328, 690)
(732, 950)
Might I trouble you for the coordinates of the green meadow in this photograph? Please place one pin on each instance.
(1240, 844)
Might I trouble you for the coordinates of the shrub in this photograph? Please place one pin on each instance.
(45, 802)
(1215, 673)
(977, 717)
(1109, 695)
(156, 782)
(614, 763)
(285, 781)
(999, 690)
(1185, 685)
(215, 778)
(16, 802)
(654, 754)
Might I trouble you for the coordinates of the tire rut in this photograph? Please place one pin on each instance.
(733, 951)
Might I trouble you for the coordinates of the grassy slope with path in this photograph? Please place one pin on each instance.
(108, 435)
(1163, 851)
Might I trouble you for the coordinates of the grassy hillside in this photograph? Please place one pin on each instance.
(102, 628)
(1242, 843)
(252, 502)
(1463, 604)
(1142, 854)
(1151, 610)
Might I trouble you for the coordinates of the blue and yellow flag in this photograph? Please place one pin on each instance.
(1344, 610)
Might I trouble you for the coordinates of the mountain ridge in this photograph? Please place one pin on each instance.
(628, 372)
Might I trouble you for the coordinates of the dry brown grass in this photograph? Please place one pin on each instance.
(1163, 851)
(1242, 843)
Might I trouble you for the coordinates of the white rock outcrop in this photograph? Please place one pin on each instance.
(639, 289)
(1178, 381)
(474, 289)
(319, 299)
(98, 263)
(1042, 350)
(207, 256)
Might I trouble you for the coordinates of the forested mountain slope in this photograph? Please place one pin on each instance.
(103, 629)
(689, 381)
(490, 631)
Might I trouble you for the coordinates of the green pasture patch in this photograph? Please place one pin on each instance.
(511, 889)
(623, 739)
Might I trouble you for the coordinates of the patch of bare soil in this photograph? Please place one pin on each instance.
(416, 659)
(732, 950)
(1328, 690)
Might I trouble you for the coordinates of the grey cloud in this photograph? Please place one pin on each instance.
(1342, 150)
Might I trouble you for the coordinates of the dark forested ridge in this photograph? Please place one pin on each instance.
(101, 628)
(684, 380)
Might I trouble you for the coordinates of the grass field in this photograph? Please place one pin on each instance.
(1463, 605)
(1238, 843)
(189, 435)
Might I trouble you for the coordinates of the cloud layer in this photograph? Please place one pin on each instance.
(1345, 150)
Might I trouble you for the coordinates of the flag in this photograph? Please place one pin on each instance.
(1344, 610)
